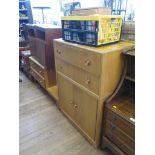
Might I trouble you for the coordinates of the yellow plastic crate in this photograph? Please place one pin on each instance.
(92, 30)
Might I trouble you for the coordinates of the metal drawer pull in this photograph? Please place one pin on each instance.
(88, 81)
(87, 62)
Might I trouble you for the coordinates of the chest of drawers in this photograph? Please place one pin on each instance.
(86, 76)
(119, 112)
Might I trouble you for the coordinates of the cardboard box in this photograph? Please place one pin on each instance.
(92, 11)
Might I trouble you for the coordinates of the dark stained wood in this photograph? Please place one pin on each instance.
(119, 113)
(41, 44)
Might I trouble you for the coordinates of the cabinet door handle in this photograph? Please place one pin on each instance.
(87, 62)
(75, 106)
(88, 81)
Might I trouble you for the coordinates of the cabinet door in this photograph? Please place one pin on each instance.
(85, 108)
(65, 92)
(79, 105)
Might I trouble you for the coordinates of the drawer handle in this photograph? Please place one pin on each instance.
(87, 62)
(75, 106)
(88, 81)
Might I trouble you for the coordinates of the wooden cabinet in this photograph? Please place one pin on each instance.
(84, 111)
(119, 112)
(86, 77)
(42, 61)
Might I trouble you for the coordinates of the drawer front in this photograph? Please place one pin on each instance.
(126, 127)
(86, 60)
(80, 106)
(119, 133)
(118, 142)
(37, 77)
(38, 68)
(84, 78)
(41, 51)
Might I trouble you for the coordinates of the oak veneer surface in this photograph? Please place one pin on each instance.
(43, 129)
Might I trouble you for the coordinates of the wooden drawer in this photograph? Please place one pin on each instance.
(118, 142)
(87, 60)
(37, 77)
(78, 105)
(84, 78)
(119, 133)
(38, 68)
(125, 126)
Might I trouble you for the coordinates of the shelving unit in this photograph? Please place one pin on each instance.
(25, 16)
(42, 63)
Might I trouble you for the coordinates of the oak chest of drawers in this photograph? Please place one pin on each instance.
(86, 76)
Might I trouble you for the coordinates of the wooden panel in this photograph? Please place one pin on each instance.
(65, 92)
(32, 43)
(125, 126)
(85, 107)
(82, 77)
(80, 106)
(41, 51)
(112, 68)
(86, 60)
(37, 77)
(116, 140)
(122, 135)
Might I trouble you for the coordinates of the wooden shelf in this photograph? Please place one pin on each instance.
(130, 78)
(53, 91)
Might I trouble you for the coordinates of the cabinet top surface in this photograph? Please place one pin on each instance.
(44, 26)
(122, 45)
